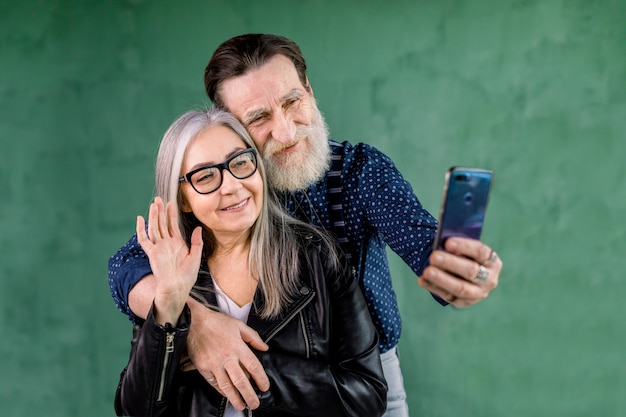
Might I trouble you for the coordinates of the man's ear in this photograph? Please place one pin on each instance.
(308, 87)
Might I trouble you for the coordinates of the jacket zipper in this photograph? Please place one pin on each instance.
(169, 348)
(305, 335)
(290, 316)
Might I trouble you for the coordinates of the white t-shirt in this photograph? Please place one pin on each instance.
(231, 309)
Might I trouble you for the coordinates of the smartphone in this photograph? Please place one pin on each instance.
(465, 197)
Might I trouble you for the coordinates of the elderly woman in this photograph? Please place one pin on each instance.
(214, 233)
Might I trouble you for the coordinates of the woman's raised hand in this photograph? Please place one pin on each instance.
(174, 265)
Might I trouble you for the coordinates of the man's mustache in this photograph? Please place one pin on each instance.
(273, 146)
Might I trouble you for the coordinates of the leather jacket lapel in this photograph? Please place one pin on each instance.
(267, 328)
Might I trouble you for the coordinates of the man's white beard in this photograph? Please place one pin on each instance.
(293, 172)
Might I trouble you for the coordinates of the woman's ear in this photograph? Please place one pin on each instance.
(184, 206)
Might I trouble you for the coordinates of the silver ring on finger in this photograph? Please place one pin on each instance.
(211, 380)
(482, 274)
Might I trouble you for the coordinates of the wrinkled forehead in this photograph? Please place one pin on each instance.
(262, 88)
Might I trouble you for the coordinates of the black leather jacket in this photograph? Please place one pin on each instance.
(323, 358)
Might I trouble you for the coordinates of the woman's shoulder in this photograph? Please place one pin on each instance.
(315, 242)
(307, 234)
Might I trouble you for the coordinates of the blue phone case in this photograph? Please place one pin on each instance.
(465, 198)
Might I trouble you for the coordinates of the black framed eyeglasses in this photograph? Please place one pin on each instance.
(208, 178)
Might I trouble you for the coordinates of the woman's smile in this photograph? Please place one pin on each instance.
(241, 205)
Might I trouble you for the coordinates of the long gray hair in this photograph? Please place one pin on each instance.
(274, 245)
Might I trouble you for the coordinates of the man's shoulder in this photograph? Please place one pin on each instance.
(359, 153)
(347, 147)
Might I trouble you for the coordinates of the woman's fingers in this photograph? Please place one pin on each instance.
(172, 220)
(162, 219)
(142, 234)
(158, 227)
(153, 223)
(196, 242)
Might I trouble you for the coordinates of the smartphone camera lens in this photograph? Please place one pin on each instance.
(461, 177)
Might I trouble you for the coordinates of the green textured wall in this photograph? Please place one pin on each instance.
(534, 90)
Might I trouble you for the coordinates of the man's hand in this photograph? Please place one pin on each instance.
(464, 274)
(218, 348)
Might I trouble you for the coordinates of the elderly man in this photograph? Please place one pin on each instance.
(354, 191)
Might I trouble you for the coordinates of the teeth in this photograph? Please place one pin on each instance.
(237, 206)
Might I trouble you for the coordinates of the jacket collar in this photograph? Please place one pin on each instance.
(267, 328)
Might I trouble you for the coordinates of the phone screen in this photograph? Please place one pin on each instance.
(466, 193)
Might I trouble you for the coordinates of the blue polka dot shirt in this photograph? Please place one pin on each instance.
(375, 207)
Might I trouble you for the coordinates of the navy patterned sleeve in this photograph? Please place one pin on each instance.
(393, 210)
(126, 268)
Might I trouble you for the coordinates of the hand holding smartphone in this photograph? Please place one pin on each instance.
(465, 198)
